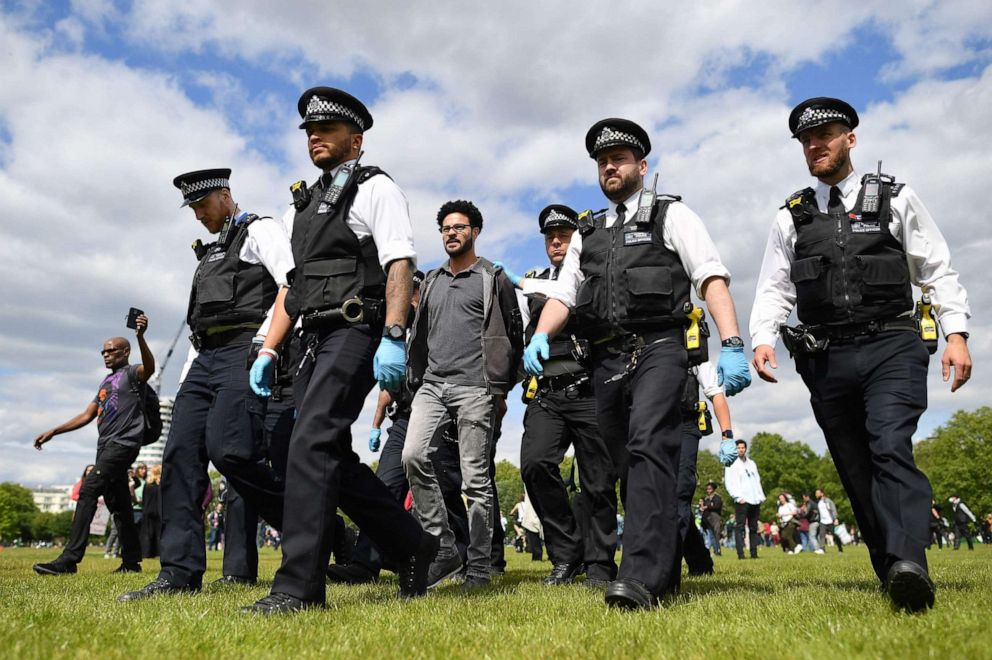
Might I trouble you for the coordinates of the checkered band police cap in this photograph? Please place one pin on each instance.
(196, 185)
(616, 133)
(557, 215)
(331, 104)
(818, 111)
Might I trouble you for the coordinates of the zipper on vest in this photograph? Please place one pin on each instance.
(611, 273)
(842, 244)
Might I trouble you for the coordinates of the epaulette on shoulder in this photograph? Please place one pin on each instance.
(896, 188)
(666, 197)
(796, 198)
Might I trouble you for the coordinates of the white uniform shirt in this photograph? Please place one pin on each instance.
(927, 254)
(683, 233)
(708, 380)
(267, 244)
(380, 210)
(743, 481)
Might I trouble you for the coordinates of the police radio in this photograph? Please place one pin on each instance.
(645, 203)
(873, 189)
(225, 233)
(333, 191)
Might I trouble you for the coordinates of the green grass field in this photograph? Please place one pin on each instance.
(778, 606)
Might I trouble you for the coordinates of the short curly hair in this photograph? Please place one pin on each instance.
(463, 206)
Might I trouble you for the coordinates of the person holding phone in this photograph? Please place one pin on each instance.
(117, 407)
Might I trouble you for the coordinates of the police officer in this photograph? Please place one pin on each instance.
(561, 410)
(216, 417)
(846, 253)
(628, 274)
(353, 245)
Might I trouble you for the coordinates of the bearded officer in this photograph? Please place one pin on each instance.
(353, 245)
(628, 274)
(846, 254)
(561, 411)
(217, 418)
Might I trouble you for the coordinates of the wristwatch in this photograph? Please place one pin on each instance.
(395, 331)
(732, 342)
(728, 435)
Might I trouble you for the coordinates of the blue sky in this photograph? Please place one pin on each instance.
(102, 103)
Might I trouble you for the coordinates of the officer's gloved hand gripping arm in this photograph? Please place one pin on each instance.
(732, 369)
(389, 365)
(553, 319)
(260, 376)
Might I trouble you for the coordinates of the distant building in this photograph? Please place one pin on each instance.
(53, 499)
(152, 454)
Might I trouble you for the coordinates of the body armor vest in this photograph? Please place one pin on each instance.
(227, 290)
(561, 348)
(848, 268)
(633, 283)
(332, 264)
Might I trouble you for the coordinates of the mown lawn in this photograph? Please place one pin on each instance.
(778, 606)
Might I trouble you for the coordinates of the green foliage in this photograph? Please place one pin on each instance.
(958, 460)
(17, 512)
(783, 465)
(48, 526)
(510, 487)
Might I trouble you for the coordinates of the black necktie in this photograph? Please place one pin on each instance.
(554, 273)
(621, 214)
(835, 206)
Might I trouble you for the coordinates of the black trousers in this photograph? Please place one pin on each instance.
(697, 557)
(331, 383)
(868, 394)
(218, 419)
(963, 532)
(241, 520)
(534, 545)
(746, 515)
(108, 478)
(553, 421)
(639, 419)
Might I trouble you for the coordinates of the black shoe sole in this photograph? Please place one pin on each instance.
(911, 592)
(44, 570)
(627, 599)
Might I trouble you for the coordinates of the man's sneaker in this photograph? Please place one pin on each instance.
(414, 572)
(474, 582)
(909, 586)
(278, 603)
(564, 573)
(128, 568)
(353, 573)
(819, 551)
(56, 567)
(797, 550)
(232, 581)
(154, 588)
(445, 566)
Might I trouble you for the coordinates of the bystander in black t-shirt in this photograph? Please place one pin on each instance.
(119, 418)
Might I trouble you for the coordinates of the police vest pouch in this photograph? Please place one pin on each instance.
(650, 289)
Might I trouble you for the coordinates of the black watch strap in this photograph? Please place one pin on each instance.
(732, 342)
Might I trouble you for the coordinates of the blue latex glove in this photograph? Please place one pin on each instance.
(514, 278)
(374, 440)
(728, 452)
(389, 365)
(536, 351)
(260, 375)
(732, 370)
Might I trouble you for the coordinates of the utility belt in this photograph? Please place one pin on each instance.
(811, 339)
(634, 344)
(351, 312)
(215, 338)
(569, 383)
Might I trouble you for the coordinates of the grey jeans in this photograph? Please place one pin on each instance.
(473, 410)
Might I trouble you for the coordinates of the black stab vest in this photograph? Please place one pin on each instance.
(561, 347)
(633, 283)
(848, 268)
(227, 290)
(332, 264)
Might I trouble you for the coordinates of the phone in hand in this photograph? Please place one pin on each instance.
(132, 317)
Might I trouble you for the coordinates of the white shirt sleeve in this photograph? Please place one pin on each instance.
(524, 307)
(268, 244)
(930, 261)
(730, 480)
(708, 381)
(776, 294)
(190, 356)
(381, 207)
(570, 277)
(686, 235)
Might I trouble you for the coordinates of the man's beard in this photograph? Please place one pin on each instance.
(629, 184)
(833, 166)
(462, 248)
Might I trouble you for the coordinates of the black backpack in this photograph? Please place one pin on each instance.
(150, 410)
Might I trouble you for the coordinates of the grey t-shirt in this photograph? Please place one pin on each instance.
(454, 335)
(119, 415)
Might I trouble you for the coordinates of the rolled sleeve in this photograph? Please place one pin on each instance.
(268, 244)
(686, 235)
(566, 287)
(708, 380)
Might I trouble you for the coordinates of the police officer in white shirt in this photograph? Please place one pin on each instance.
(628, 274)
(217, 418)
(846, 254)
